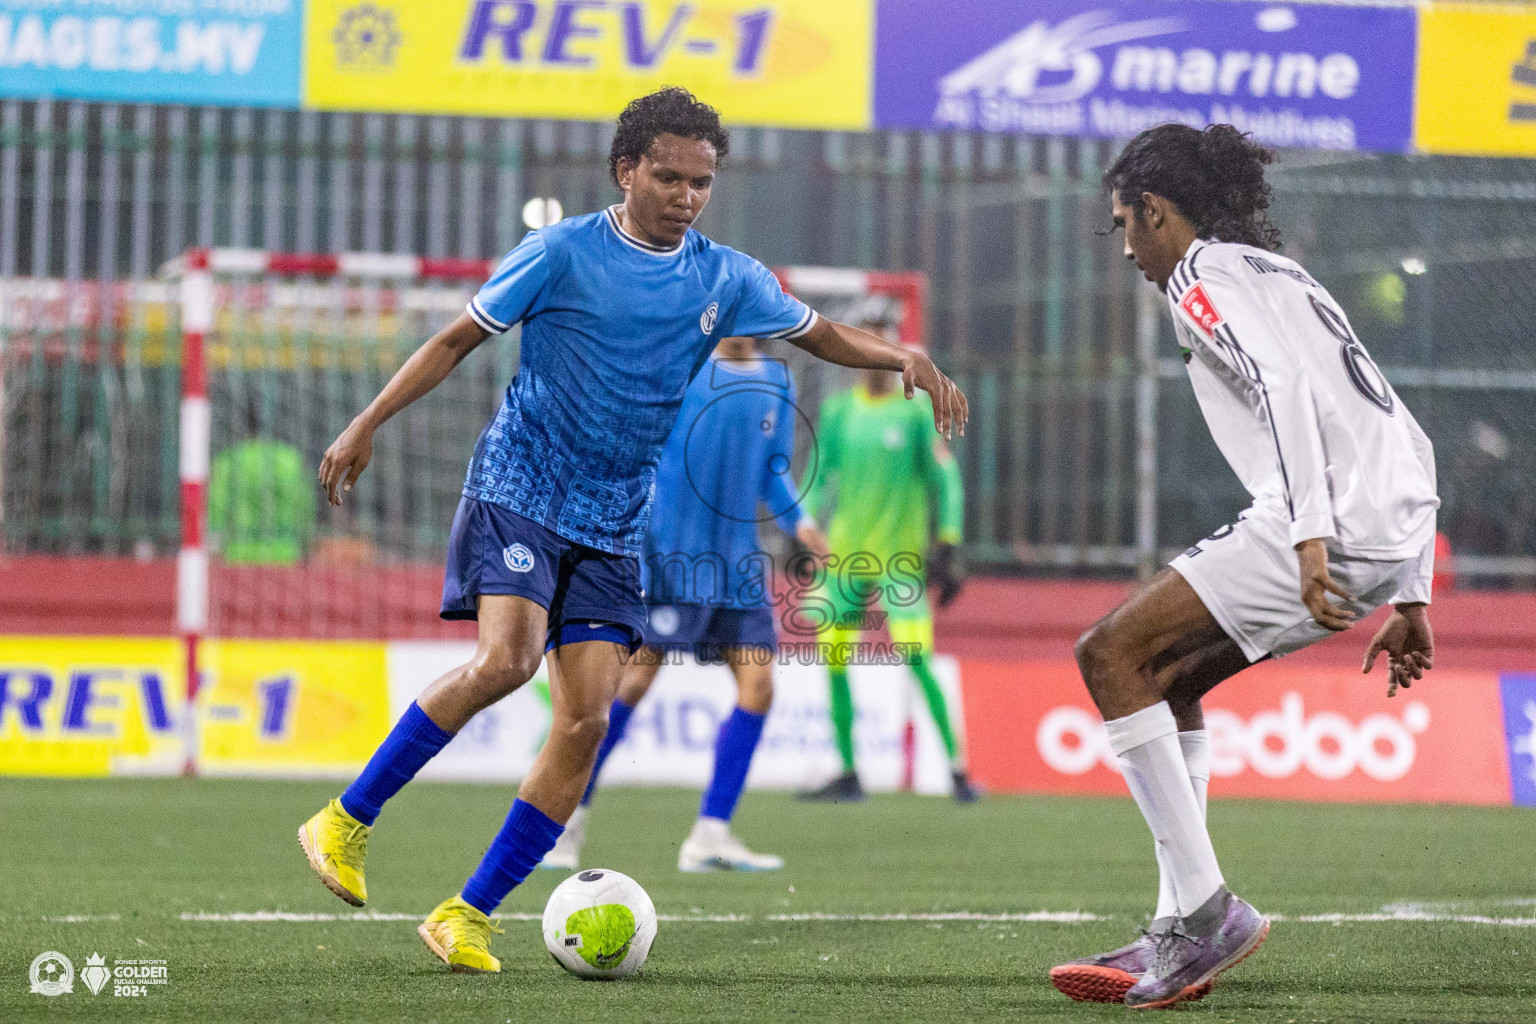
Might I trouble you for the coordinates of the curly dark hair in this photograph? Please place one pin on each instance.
(1215, 177)
(669, 111)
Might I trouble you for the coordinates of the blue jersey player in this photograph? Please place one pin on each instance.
(708, 584)
(619, 309)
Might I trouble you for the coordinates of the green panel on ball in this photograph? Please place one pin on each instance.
(606, 933)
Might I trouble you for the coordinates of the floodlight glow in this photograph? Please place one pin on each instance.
(539, 212)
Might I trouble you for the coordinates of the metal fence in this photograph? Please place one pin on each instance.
(1063, 351)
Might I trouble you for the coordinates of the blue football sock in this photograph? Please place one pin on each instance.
(410, 744)
(523, 841)
(618, 718)
(733, 756)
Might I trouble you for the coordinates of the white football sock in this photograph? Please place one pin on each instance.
(1196, 746)
(1152, 761)
(1197, 763)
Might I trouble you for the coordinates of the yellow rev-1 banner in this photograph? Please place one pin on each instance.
(91, 705)
(1476, 90)
(276, 707)
(789, 63)
(115, 706)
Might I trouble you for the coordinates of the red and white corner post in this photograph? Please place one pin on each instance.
(197, 310)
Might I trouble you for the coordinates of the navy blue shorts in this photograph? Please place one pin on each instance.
(708, 631)
(493, 550)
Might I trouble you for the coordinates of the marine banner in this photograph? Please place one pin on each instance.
(1318, 76)
(791, 63)
(1476, 80)
(243, 53)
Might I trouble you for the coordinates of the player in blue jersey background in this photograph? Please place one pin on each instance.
(708, 584)
(619, 309)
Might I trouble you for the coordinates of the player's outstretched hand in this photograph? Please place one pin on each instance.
(950, 409)
(345, 460)
(1316, 585)
(1409, 644)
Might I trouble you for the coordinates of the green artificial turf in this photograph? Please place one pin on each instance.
(151, 851)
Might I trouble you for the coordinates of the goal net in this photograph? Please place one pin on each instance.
(278, 353)
(161, 440)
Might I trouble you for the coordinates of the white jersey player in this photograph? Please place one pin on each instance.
(1319, 439)
(1343, 487)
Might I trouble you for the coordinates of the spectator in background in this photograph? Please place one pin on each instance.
(261, 500)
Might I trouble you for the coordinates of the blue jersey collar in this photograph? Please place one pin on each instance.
(612, 216)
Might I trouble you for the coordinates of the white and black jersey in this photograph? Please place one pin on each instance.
(1304, 417)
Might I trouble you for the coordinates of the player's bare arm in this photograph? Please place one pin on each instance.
(427, 367)
(849, 346)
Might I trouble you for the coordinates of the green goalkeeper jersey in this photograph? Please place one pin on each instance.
(261, 503)
(878, 462)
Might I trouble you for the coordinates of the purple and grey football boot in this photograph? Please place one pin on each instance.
(1106, 977)
(1221, 934)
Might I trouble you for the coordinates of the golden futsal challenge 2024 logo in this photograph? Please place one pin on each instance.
(53, 974)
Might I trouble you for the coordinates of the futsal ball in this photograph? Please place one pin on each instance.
(599, 924)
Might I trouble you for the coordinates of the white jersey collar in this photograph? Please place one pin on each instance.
(612, 215)
(1196, 246)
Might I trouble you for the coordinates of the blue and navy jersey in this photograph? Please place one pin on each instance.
(730, 451)
(613, 331)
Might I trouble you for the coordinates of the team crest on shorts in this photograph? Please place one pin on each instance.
(708, 318)
(517, 557)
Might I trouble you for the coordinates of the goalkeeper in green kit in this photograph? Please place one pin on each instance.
(879, 464)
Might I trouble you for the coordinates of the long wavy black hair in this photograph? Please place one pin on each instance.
(1215, 177)
(669, 111)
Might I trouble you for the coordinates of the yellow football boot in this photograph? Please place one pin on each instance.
(460, 935)
(336, 843)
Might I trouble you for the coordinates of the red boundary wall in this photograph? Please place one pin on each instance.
(1306, 727)
(994, 619)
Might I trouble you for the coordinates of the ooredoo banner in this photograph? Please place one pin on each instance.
(1312, 75)
(1305, 733)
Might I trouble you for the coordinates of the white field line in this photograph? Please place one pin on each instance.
(1389, 915)
(1406, 915)
(263, 916)
(82, 918)
(1048, 916)
(1458, 906)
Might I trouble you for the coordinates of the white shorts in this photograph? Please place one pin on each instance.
(1249, 578)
